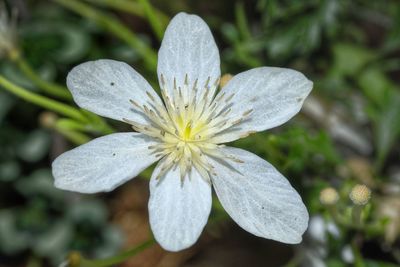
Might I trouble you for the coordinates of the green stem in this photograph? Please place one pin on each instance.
(132, 7)
(47, 87)
(41, 100)
(114, 26)
(119, 258)
(356, 214)
(154, 21)
(358, 259)
(73, 136)
(241, 21)
(71, 125)
(97, 123)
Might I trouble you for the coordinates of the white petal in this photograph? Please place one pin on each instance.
(103, 163)
(188, 48)
(259, 198)
(273, 94)
(178, 213)
(106, 86)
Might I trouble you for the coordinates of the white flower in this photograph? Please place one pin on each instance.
(184, 131)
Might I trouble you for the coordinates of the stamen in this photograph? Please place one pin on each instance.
(187, 124)
(150, 96)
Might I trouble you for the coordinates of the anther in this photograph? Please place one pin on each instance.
(237, 121)
(220, 97)
(247, 112)
(186, 79)
(134, 103)
(162, 79)
(195, 84)
(207, 82)
(150, 96)
(216, 82)
(229, 98)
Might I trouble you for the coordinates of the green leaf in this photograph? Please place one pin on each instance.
(349, 59)
(54, 242)
(6, 103)
(90, 211)
(375, 85)
(371, 263)
(35, 146)
(387, 128)
(9, 170)
(39, 183)
(45, 37)
(11, 240)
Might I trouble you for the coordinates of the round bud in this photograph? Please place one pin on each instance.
(360, 194)
(225, 79)
(329, 196)
(48, 119)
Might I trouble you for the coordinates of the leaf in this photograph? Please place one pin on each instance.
(372, 263)
(6, 103)
(54, 242)
(9, 170)
(11, 240)
(350, 58)
(45, 37)
(387, 128)
(35, 146)
(375, 85)
(39, 183)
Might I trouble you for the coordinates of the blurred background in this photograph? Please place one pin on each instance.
(341, 152)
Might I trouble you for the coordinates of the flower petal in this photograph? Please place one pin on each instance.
(273, 95)
(259, 198)
(105, 87)
(178, 212)
(104, 163)
(188, 48)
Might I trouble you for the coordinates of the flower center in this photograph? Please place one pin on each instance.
(187, 124)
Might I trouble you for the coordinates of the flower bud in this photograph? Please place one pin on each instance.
(329, 196)
(360, 194)
(48, 119)
(225, 79)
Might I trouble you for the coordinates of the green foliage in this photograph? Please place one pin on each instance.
(349, 49)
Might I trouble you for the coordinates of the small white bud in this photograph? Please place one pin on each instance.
(360, 194)
(329, 196)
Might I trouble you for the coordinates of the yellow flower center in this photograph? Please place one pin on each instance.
(186, 123)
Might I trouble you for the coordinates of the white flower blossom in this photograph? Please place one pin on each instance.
(184, 130)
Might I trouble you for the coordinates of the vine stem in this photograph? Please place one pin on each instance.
(155, 22)
(132, 7)
(76, 260)
(42, 100)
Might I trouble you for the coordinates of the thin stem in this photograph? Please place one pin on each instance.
(114, 26)
(356, 214)
(154, 21)
(358, 259)
(47, 87)
(132, 7)
(241, 21)
(119, 258)
(42, 101)
(75, 137)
